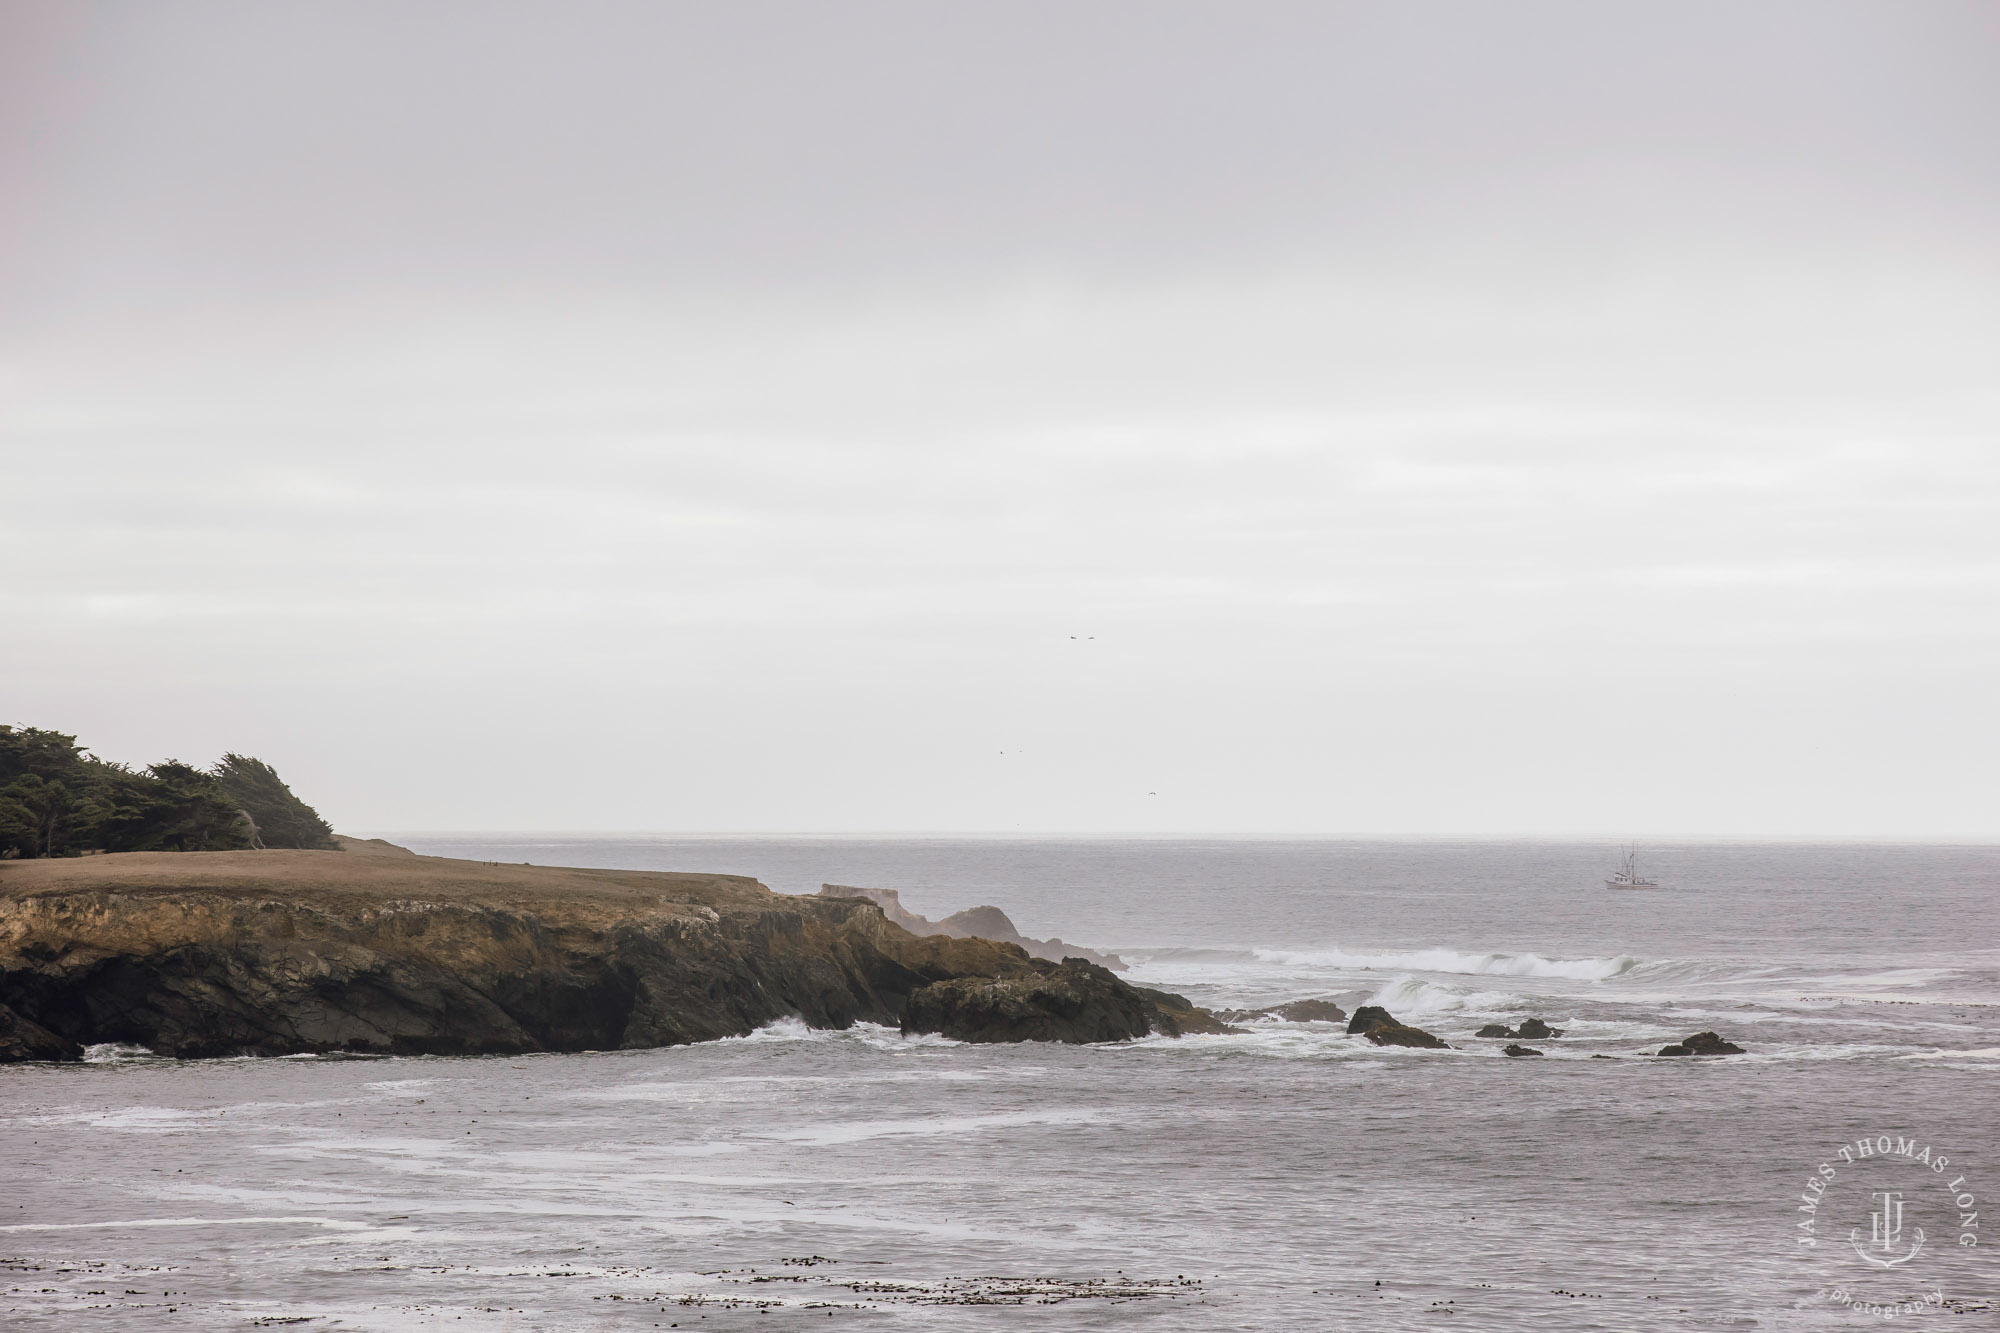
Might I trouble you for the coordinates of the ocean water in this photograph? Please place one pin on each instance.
(1290, 1177)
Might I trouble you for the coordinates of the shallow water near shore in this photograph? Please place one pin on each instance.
(1286, 1177)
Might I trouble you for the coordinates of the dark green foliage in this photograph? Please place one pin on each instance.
(36, 816)
(282, 819)
(57, 799)
(41, 774)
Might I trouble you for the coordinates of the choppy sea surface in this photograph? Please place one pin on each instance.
(1290, 1177)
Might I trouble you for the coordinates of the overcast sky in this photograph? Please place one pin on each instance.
(1433, 418)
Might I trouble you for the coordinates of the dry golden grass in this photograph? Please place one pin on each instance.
(368, 875)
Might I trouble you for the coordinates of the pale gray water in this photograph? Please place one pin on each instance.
(1269, 1180)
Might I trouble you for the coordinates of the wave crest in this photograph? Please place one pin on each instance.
(1407, 995)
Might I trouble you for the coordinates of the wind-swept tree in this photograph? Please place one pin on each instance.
(181, 809)
(57, 799)
(282, 819)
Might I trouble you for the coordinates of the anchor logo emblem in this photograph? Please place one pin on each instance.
(1885, 1229)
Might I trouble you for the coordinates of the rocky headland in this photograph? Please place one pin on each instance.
(373, 949)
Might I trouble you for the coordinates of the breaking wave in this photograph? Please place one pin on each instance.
(789, 1030)
(1407, 995)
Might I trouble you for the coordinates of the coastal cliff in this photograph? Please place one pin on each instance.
(374, 949)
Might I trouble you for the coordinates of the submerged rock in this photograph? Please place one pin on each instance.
(1519, 1050)
(1703, 1043)
(1531, 1029)
(1381, 1027)
(1312, 1011)
(1075, 1001)
(986, 923)
(1298, 1011)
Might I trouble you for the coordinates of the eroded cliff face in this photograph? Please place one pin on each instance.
(281, 952)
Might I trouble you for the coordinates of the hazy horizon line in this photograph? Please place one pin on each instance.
(973, 835)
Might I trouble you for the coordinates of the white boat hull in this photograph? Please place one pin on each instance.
(1617, 883)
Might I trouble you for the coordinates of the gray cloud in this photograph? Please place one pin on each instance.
(1445, 418)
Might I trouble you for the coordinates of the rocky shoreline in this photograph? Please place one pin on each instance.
(376, 950)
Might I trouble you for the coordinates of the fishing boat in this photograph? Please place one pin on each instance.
(1627, 875)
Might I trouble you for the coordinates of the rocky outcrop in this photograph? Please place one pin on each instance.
(1074, 1001)
(1398, 1034)
(1519, 1050)
(1703, 1043)
(23, 1040)
(1382, 1028)
(1071, 1002)
(279, 952)
(1175, 1016)
(1298, 1011)
(986, 923)
(1531, 1029)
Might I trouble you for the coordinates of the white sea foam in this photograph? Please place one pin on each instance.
(1983, 1053)
(793, 1029)
(330, 1223)
(855, 1131)
(1452, 960)
(779, 1029)
(1279, 1041)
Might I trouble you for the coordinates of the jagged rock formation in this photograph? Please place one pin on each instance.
(1383, 1029)
(1075, 1001)
(1298, 1011)
(986, 923)
(1531, 1029)
(23, 1040)
(1518, 1050)
(1702, 1043)
(276, 952)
